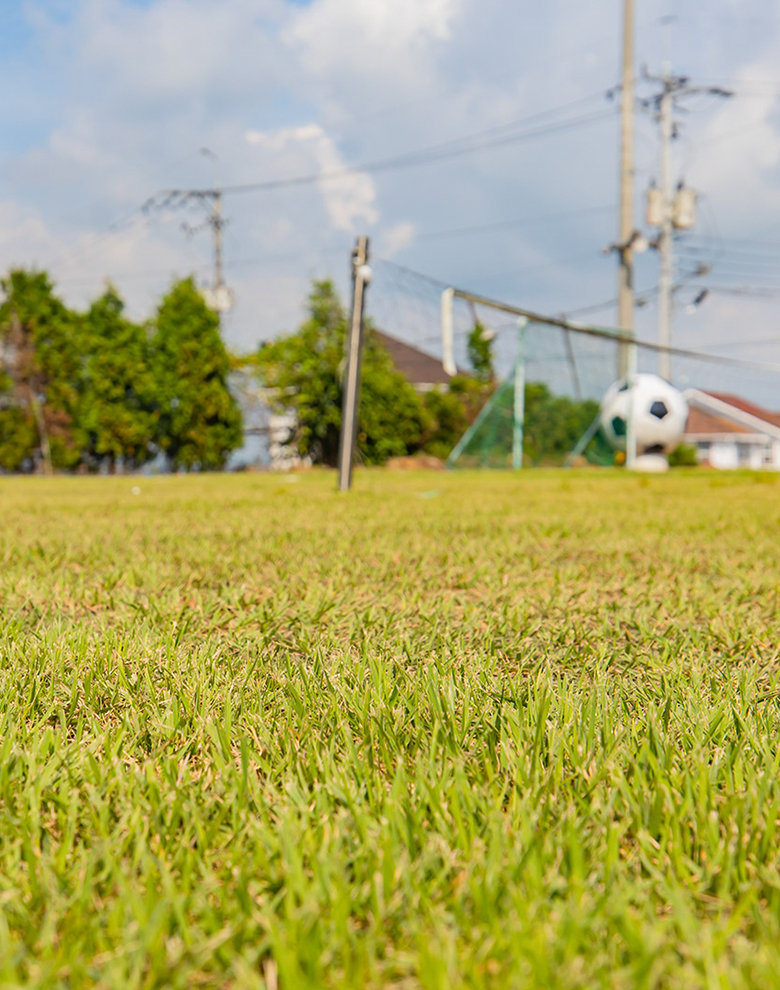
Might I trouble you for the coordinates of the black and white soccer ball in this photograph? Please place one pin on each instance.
(658, 409)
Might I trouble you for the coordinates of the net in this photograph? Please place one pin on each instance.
(547, 378)
(541, 406)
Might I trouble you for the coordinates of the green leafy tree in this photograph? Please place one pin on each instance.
(199, 422)
(480, 351)
(453, 410)
(305, 373)
(41, 367)
(554, 424)
(18, 433)
(117, 386)
(451, 419)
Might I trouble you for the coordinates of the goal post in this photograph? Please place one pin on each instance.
(559, 371)
(447, 341)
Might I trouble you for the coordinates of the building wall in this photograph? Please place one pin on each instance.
(723, 456)
(728, 455)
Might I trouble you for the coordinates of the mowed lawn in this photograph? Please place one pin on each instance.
(445, 731)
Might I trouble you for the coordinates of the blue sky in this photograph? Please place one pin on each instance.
(108, 101)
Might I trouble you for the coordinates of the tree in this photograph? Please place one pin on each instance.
(41, 367)
(199, 422)
(480, 351)
(450, 416)
(304, 371)
(554, 423)
(115, 419)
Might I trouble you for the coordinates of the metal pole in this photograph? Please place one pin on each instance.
(349, 415)
(448, 358)
(665, 237)
(518, 416)
(575, 375)
(626, 224)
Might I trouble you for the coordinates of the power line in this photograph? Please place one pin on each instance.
(737, 242)
(451, 149)
(457, 147)
(422, 158)
(521, 222)
(641, 298)
(562, 57)
(745, 290)
(77, 252)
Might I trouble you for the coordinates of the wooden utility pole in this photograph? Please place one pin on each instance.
(665, 244)
(626, 228)
(361, 275)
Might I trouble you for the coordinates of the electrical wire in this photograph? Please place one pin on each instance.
(523, 221)
(640, 297)
(423, 236)
(425, 156)
(455, 148)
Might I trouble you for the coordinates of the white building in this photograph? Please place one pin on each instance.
(728, 432)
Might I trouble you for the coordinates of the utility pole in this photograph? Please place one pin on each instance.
(665, 244)
(361, 276)
(626, 223)
(218, 296)
(667, 209)
(217, 223)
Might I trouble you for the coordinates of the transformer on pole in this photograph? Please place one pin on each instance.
(666, 209)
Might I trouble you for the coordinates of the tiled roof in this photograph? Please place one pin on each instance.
(749, 407)
(415, 365)
(700, 421)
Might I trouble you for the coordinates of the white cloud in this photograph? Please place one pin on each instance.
(397, 237)
(735, 160)
(24, 237)
(175, 49)
(349, 198)
(130, 91)
(371, 34)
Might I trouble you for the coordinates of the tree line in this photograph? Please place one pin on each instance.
(97, 391)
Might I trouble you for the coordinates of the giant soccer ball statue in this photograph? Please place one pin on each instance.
(658, 412)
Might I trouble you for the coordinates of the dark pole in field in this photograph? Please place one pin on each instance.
(361, 276)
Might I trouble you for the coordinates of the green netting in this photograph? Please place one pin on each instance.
(552, 426)
(563, 372)
(566, 369)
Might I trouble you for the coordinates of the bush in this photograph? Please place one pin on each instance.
(683, 456)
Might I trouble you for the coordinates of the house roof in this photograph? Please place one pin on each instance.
(700, 421)
(749, 407)
(721, 413)
(415, 365)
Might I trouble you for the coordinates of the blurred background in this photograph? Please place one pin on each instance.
(107, 103)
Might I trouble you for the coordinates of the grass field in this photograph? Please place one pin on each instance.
(447, 731)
